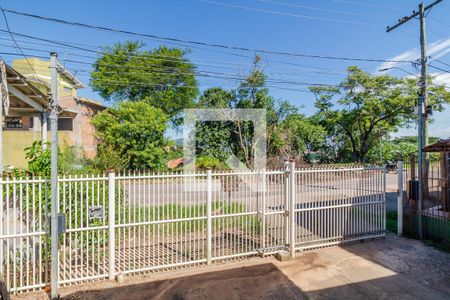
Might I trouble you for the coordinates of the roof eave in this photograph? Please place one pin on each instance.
(77, 83)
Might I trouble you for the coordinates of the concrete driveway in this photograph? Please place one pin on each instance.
(391, 268)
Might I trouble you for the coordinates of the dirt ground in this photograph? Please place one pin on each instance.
(394, 268)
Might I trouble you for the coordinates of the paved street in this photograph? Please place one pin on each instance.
(156, 193)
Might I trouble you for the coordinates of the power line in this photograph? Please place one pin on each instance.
(317, 8)
(365, 4)
(218, 75)
(437, 68)
(439, 21)
(15, 42)
(69, 45)
(253, 50)
(442, 62)
(288, 14)
(175, 59)
(164, 85)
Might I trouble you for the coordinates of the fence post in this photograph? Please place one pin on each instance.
(286, 201)
(292, 209)
(111, 221)
(400, 198)
(263, 208)
(208, 215)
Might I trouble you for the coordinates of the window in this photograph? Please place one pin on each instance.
(67, 90)
(64, 124)
(13, 122)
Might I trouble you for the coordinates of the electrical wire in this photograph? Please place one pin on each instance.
(68, 45)
(15, 42)
(288, 14)
(253, 50)
(329, 73)
(442, 62)
(439, 21)
(316, 8)
(217, 75)
(366, 5)
(438, 68)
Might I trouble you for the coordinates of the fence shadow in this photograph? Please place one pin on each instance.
(264, 281)
(354, 271)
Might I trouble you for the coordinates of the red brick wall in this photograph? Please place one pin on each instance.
(83, 130)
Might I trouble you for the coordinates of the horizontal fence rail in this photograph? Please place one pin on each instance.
(133, 223)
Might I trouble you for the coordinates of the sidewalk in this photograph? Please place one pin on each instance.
(394, 268)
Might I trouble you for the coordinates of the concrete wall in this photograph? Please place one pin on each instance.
(14, 143)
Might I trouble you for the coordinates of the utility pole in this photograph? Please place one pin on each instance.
(54, 177)
(422, 117)
(424, 72)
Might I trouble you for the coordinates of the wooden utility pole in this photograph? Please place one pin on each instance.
(423, 58)
(424, 73)
(422, 117)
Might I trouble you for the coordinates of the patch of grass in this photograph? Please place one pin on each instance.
(391, 225)
(138, 213)
(439, 245)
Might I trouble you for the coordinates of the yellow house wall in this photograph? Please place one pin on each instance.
(42, 68)
(14, 143)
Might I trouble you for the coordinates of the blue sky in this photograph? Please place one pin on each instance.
(353, 28)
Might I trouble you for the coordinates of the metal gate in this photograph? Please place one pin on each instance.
(133, 223)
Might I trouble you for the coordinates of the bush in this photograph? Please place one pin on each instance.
(38, 158)
(205, 162)
(131, 132)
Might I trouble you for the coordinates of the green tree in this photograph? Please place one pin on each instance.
(392, 149)
(163, 77)
(133, 131)
(302, 138)
(370, 106)
(254, 94)
(213, 137)
(221, 139)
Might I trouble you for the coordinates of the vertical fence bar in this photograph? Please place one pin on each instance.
(111, 222)
(208, 215)
(263, 208)
(384, 201)
(292, 208)
(400, 198)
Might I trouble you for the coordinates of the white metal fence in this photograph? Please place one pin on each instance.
(131, 223)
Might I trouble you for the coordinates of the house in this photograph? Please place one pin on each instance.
(26, 110)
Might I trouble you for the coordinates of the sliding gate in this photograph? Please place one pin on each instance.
(134, 223)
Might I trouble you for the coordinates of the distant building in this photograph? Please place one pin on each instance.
(23, 125)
